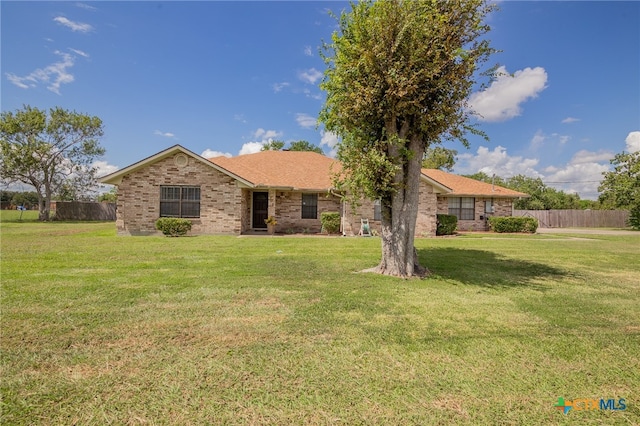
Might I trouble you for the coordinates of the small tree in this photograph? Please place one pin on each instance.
(621, 186)
(48, 151)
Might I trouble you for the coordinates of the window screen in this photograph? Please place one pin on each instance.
(309, 206)
(462, 207)
(179, 201)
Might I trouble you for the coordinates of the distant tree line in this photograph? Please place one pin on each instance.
(13, 199)
(29, 199)
(542, 197)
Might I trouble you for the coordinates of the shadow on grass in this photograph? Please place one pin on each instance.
(486, 268)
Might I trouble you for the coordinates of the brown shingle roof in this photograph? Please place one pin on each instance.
(299, 170)
(463, 186)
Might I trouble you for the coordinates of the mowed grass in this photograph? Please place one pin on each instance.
(99, 329)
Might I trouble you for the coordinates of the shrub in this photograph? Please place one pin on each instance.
(173, 226)
(513, 224)
(634, 217)
(446, 224)
(330, 222)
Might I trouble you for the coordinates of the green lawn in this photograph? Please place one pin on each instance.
(99, 329)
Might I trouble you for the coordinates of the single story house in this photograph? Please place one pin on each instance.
(235, 195)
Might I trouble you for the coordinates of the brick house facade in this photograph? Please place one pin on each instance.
(234, 195)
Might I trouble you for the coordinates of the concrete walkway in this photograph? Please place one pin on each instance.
(587, 231)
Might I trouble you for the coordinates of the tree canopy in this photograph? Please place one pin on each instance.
(49, 150)
(439, 157)
(398, 75)
(621, 186)
(300, 145)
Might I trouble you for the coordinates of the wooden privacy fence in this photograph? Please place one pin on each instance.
(577, 218)
(76, 210)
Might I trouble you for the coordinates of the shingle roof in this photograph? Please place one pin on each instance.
(463, 186)
(299, 170)
(302, 170)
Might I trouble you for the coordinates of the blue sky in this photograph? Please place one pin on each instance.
(224, 77)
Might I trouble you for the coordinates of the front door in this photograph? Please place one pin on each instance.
(260, 209)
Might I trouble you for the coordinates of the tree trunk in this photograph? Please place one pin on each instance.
(399, 215)
(44, 206)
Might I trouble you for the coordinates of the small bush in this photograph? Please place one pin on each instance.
(446, 224)
(330, 222)
(513, 224)
(173, 226)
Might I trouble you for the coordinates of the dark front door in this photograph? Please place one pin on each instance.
(260, 209)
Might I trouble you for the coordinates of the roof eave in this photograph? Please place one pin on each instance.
(115, 178)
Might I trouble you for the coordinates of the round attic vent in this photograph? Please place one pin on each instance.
(181, 160)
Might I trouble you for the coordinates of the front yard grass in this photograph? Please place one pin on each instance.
(99, 329)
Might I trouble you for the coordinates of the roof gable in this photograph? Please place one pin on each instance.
(115, 178)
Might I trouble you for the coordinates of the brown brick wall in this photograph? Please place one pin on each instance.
(288, 211)
(425, 221)
(139, 198)
(502, 207)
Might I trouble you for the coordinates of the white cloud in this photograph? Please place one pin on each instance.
(306, 121)
(582, 175)
(586, 157)
(570, 120)
(85, 6)
(277, 87)
(331, 140)
(307, 51)
(262, 137)
(496, 161)
(538, 140)
(104, 168)
(309, 94)
(266, 135)
(210, 153)
(250, 148)
(310, 76)
(79, 53)
(164, 134)
(54, 75)
(74, 26)
(633, 141)
(502, 99)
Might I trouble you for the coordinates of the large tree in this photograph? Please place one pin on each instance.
(439, 157)
(49, 150)
(398, 75)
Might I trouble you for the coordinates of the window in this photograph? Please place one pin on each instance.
(488, 206)
(309, 206)
(179, 201)
(462, 207)
(377, 210)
